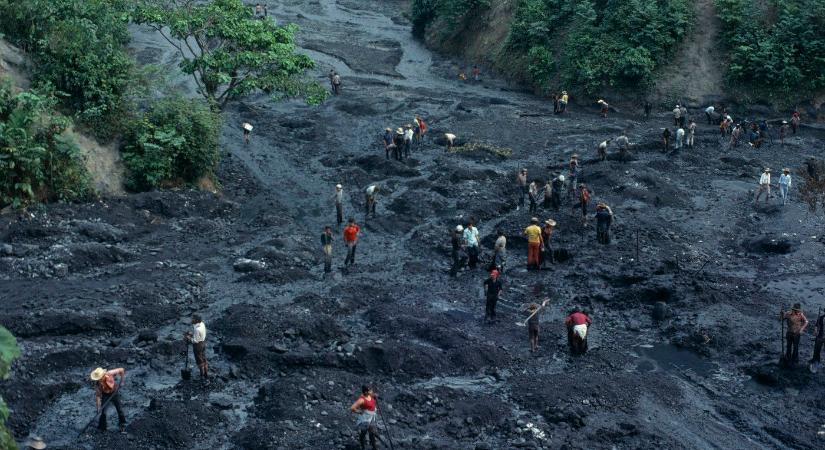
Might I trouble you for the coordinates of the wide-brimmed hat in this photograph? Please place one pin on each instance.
(388, 129)
(786, 170)
(561, 178)
(247, 126)
(796, 307)
(767, 169)
(399, 130)
(550, 222)
(575, 156)
(459, 228)
(409, 125)
(563, 92)
(784, 122)
(601, 205)
(534, 220)
(36, 443)
(97, 374)
(338, 186)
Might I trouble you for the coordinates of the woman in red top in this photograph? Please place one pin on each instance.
(365, 408)
(351, 239)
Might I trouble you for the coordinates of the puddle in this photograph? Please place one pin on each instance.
(672, 359)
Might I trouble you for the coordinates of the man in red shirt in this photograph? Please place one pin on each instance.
(351, 239)
(797, 322)
(577, 325)
(106, 393)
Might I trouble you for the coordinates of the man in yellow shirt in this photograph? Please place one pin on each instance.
(534, 242)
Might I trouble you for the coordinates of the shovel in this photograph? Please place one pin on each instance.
(783, 361)
(186, 373)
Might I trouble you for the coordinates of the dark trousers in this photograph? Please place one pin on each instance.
(339, 213)
(350, 254)
(710, 120)
(533, 204)
(121, 418)
(490, 310)
(818, 350)
(407, 147)
(472, 254)
(199, 348)
(578, 346)
(362, 437)
(522, 192)
(792, 347)
(458, 262)
(556, 199)
(547, 253)
(602, 234)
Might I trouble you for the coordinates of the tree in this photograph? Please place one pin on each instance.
(228, 52)
(8, 352)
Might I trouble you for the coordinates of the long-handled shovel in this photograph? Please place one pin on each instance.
(102, 409)
(783, 361)
(186, 373)
(543, 304)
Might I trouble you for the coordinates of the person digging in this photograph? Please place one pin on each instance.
(367, 422)
(819, 340)
(577, 326)
(107, 394)
(197, 337)
(533, 324)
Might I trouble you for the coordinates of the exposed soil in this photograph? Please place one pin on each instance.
(114, 283)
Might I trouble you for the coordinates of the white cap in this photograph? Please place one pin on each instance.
(561, 178)
(459, 228)
(338, 186)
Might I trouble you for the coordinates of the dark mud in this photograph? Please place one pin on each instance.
(113, 283)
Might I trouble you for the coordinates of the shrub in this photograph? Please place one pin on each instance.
(36, 161)
(452, 14)
(175, 140)
(8, 353)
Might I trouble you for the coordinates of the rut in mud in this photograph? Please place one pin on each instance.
(114, 283)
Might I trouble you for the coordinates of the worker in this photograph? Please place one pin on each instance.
(533, 194)
(764, 186)
(500, 252)
(623, 143)
(819, 339)
(547, 248)
(558, 187)
(521, 187)
(795, 119)
(604, 107)
(563, 102)
(547, 197)
(577, 326)
(583, 200)
(534, 244)
(326, 246)
(666, 139)
(724, 128)
(604, 218)
(421, 127)
(449, 138)
(677, 116)
(602, 150)
(533, 324)
(197, 337)
(247, 130)
(680, 138)
(492, 289)
(331, 76)
(338, 198)
(797, 322)
(683, 113)
(709, 114)
(351, 240)
(107, 393)
(458, 252)
(35, 443)
(388, 141)
(398, 140)
(371, 200)
(783, 131)
(471, 243)
(648, 107)
(408, 140)
(476, 73)
(735, 134)
(691, 133)
(336, 84)
(785, 185)
(573, 173)
(367, 422)
(555, 102)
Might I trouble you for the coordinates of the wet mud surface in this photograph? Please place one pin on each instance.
(113, 283)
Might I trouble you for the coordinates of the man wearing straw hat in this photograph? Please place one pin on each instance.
(408, 140)
(35, 443)
(797, 322)
(604, 218)
(764, 186)
(546, 235)
(398, 141)
(106, 393)
(785, 185)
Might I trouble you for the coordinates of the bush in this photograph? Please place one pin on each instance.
(36, 161)
(451, 13)
(79, 48)
(8, 353)
(175, 140)
(775, 49)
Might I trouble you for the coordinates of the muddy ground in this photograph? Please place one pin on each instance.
(113, 283)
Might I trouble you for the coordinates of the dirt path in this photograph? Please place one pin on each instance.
(696, 72)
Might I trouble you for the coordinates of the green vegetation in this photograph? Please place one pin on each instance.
(228, 52)
(37, 162)
(776, 49)
(585, 45)
(176, 139)
(77, 47)
(8, 353)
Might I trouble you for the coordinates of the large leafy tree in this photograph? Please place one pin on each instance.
(229, 52)
(8, 352)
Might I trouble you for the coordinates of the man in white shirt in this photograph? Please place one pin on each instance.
(709, 114)
(602, 150)
(785, 185)
(471, 241)
(338, 197)
(691, 133)
(408, 140)
(677, 115)
(198, 340)
(371, 201)
(680, 138)
(764, 186)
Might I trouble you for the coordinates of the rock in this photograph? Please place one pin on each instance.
(146, 336)
(6, 250)
(277, 348)
(349, 348)
(245, 265)
(61, 270)
(101, 232)
(660, 311)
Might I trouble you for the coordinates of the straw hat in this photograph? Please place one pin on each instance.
(575, 156)
(796, 307)
(97, 374)
(534, 220)
(563, 92)
(786, 170)
(459, 228)
(767, 169)
(409, 125)
(36, 443)
(550, 222)
(339, 187)
(601, 205)
(247, 126)
(561, 178)
(388, 129)
(784, 122)
(399, 130)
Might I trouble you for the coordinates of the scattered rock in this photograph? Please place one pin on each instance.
(245, 265)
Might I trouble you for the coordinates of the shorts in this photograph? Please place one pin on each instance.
(533, 330)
